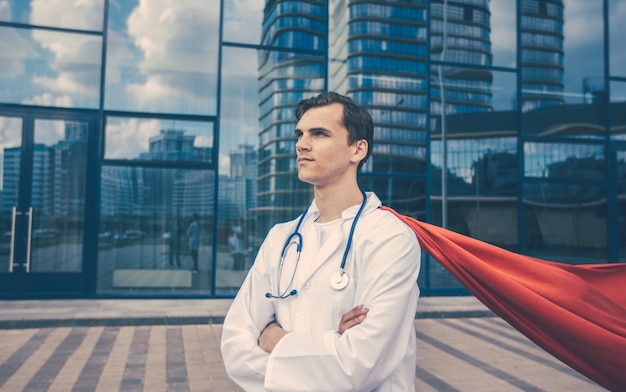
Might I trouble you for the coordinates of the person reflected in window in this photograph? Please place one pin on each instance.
(237, 245)
(193, 233)
(175, 234)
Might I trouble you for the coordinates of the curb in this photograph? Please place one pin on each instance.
(159, 320)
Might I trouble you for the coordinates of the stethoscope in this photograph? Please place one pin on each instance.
(338, 281)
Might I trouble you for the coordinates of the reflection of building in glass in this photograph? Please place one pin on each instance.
(153, 193)
(378, 56)
(58, 177)
(460, 33)
(242, 182)
(564, 187)
(175, 145)
(482, 175)
(11, 177)
(285, 78)
(542, 53)
(70, 157)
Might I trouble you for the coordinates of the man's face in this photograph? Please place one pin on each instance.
(324, 156)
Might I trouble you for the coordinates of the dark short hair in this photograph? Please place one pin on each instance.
(357, 120)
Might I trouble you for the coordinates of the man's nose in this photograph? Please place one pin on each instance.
(302, 143)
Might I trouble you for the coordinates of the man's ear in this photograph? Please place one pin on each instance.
(360, 150)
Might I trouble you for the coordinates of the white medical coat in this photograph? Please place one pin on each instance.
(377, 355)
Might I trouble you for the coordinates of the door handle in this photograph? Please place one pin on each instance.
(12, 263)
(11, 252)
(30, 235)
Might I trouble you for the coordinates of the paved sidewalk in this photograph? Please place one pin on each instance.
(173, 345)
(85, 312)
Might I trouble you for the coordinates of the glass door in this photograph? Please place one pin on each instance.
(42, 209)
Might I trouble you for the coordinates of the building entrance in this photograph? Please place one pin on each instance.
(43, 162)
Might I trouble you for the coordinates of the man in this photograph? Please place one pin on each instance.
(304, 324)
(193, 232)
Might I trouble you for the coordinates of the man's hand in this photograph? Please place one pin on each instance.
(270, 336)
(352, 318)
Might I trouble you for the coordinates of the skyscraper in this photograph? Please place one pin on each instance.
(542, 53)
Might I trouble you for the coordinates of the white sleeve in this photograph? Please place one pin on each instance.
(249, 313)
(367, 355)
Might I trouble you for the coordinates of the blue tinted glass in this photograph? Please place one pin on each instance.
(50, 68)
(162, 57)
(69, 14)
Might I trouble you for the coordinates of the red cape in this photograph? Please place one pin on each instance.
(575, 312)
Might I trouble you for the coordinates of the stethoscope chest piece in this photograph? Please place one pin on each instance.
(339, 280)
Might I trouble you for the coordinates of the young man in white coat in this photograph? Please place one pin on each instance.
(302, 322)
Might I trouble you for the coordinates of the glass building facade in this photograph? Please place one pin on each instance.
(125, 124)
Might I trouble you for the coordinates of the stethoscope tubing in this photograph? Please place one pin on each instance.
(299, 241)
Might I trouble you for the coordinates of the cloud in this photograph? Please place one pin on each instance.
(583, 23)
(15, 50)
(48, 99)
(503, 35)
(10, 132)
(243, 20)
(177, 44)
(76, 14)
(127, 138)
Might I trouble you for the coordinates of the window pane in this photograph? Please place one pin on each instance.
(405, 195)
(158, 140)
(618, 110)
(563, 62)
(477, 33)
(295, 24)
(481, 166)
(69, 14)
(58, 195)
(504, 41)
(162, 57)
(237, 238)
(617, 32)
(621, 200)
(565, 222)
(564, 161)
(470, 90)
(49, 68)
(243, 20)
(145, 240)
(10, 155)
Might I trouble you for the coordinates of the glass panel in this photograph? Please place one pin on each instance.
(470, 90)
(10, 154)
(237, 238)
(243, 20)
(406, 195)
(284, 78)
(58, 195)
(564, 161)
(618, 110)
(162, 57)
(49, 68)
(69, 14)
(621, 200)
(158, 140)
(565, 222)
(148, 238)
(481, 166)
(617, 31)
(563, 63)
(477, 32)
(503, 37)
(295, 24)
